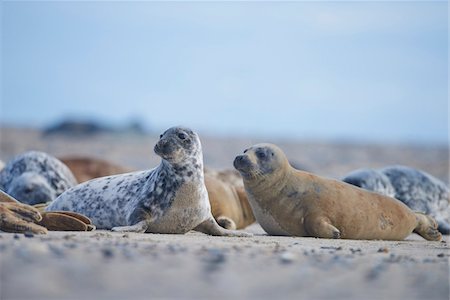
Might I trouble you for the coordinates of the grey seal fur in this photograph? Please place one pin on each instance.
(35, 177)
(170, 198)
(371, 180)
(419, 190)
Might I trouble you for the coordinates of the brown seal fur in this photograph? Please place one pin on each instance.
(87, 168)
(291, 202)
(229, 203)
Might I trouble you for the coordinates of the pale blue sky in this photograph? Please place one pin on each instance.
(368, 71)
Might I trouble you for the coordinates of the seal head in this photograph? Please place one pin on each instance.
(31, 186)
(35, 177)
(261, 160)
(178, 144)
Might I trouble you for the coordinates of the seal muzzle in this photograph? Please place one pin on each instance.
(164, 148)
(242, 163)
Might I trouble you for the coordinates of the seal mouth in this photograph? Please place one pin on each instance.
(163, 148)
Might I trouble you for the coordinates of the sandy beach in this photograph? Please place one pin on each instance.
(107, 265)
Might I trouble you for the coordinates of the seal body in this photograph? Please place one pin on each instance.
(229, 202)
(419, 190)
(170, 198)
(291, 202)
(35, 177)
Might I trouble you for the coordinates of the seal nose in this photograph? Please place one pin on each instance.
(159, 147)
(239, 158)
(239, 161)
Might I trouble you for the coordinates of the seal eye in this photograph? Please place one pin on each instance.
(182, 136)
(160, 136)
(245, 151)
(261, 155)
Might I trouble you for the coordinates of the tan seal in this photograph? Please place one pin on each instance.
(229, 203)
(291, 202)
(87, 168)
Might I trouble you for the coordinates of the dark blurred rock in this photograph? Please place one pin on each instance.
(74, 127)
(79, 127)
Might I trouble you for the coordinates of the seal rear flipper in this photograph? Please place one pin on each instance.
(427, 227)
(67, 221)
(211, 227)
(24, 211)
(11, 221)
(139, 227)
(75, 215)
(56, 221)
(226, 223)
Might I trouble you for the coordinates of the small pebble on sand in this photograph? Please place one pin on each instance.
(287, 257)
(28, 234)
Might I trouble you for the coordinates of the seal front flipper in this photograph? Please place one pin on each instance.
(319, 226)
(18, 217)
(139, 227)
(211, 227)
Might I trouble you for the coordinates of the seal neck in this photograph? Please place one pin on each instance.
(190, 168)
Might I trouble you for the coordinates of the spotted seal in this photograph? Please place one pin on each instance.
(229, 204)
(419, 190)
(287, 201)
(35, 177)
(170, 198)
